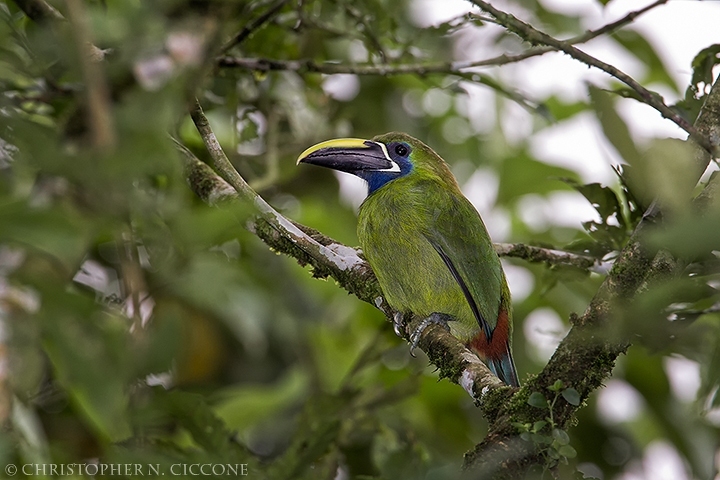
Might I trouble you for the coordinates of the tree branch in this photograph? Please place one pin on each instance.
(535, 36)
(552, 257)
(336, 258)
(214, 190)
(328, 258)
(463, 69)
(587, 354)
(582, 361)
(301, 66)
(585, 37)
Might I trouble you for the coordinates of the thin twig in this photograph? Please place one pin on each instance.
(39, 10)
(100, 120)
(367, 31)
(254, 25)
(611, 27)
(309, 66)
(265, 65)
(585, 37)
(535, 36)
(464, 69)
(344, 261)
(551, 256)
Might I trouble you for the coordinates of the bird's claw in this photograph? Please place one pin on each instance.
(398, 324)
(434, 318)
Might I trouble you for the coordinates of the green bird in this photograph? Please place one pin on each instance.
(426, 242)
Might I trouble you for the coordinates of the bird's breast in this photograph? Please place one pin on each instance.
(412, 275)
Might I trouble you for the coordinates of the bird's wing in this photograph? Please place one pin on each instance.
(460, 238)
(463, 286)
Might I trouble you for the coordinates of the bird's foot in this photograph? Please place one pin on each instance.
(434, 318)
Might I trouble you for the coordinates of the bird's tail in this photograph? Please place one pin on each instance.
(504, 368)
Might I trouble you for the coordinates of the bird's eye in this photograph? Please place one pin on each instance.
(401, 150)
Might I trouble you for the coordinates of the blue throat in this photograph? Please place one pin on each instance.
(376, 179)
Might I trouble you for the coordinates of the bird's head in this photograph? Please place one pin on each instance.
(378, 161)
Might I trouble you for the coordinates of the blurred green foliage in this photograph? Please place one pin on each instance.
(142, 326)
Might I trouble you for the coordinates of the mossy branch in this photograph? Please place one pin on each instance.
(582, 361)
(326, 257)
(329, 258)
(586, 356)
(552, 256)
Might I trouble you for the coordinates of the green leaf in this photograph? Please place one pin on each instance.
(626, 92)
(538, 400)
(540, 439)
(522, 427)
(703, 65)
(702, 77)
(60, 232)
(633, 210)
(455, 24)
(588, 246)
(520, 174)
(538, 426)
(192, 412)
(247, 405)
(710, 381)
(567, 451)
(703, 230)
(555, 387)
(562, 111)
(638, 46)
(87, 349)
(611, 232)
(571, 396)
(28, 427)
(666, 171)
(560, 436)
(613, 125)
(603, 199)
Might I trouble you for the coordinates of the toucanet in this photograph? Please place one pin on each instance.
(426, 242)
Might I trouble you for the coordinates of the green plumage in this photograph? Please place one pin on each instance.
(396, 226)
(426, 242)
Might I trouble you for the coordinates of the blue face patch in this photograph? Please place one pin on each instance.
(399, 153)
